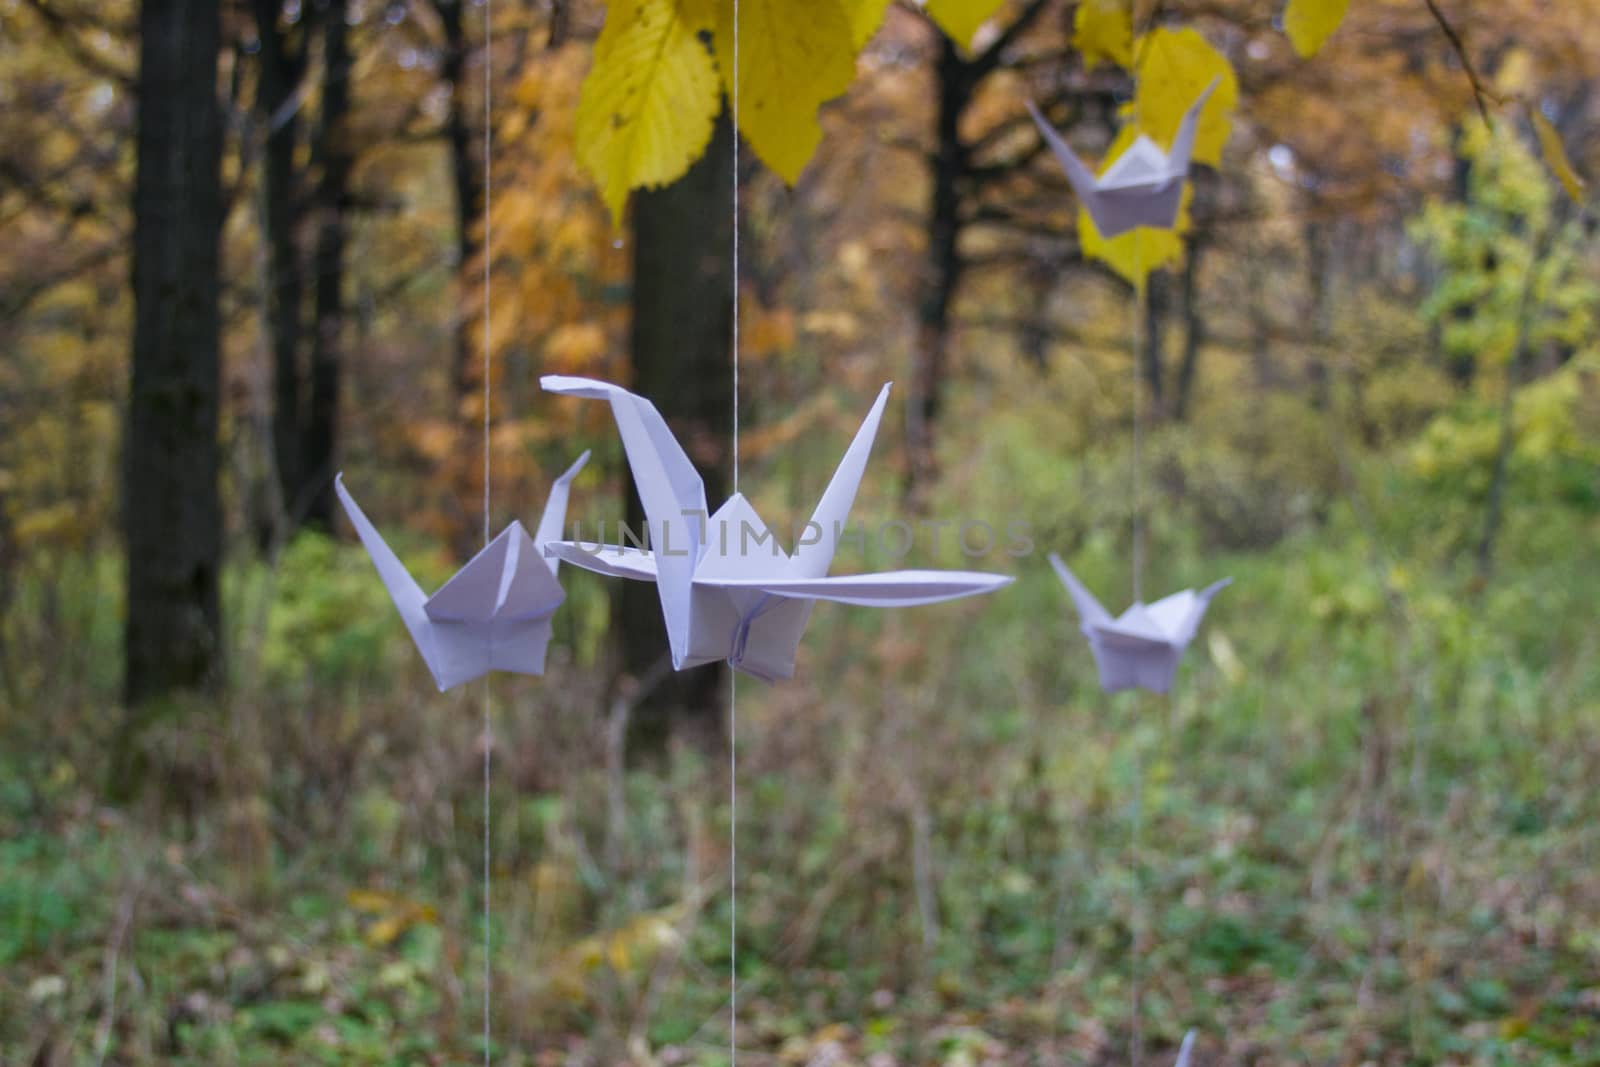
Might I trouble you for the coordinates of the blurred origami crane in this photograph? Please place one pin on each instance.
(494, 613)
(1142, 647)
(1142, 187)
(728, 591)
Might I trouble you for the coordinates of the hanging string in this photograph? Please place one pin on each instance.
(488, 259)
(733, 676)
(1140, 311)
(1140, 322)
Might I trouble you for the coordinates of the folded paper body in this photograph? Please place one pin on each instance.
(1142, 187)
(1142, 647)
(728, 590)
(494, 613)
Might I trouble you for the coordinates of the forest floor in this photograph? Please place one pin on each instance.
(1363, 830)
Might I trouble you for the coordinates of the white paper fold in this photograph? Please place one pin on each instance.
(1142, 647)
(494, 613)
(1142, 187)
(729, 591)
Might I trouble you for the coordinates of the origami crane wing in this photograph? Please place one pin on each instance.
(1184, 1050)
(1182, 149)
(409, 599)
(507, 579)
(613, 561)
(555, 511)
(888, 589)
(1179, 615)
(669, 487)
(1079, 176)
(811, 559)
(1090, 612)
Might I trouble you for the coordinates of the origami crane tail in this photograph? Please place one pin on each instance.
(555, 513)
(670, 489)
(408, 597)
(1090, 611)
(1183, 144)
(1081, 177)
(815, 553)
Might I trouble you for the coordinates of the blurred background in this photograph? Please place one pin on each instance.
(238, 825)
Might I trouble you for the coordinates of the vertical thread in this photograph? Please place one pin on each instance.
(1139, 312)
(488, 259)
(733, 675)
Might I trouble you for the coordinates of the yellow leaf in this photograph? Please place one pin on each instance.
(792, 58)
(1102, 31)
(1555, 156)
(698, 15)
(371, 901)
(387, 930)
(649, 101)
(962, 19)
(865, 18)
(1134, 254)
(1309, 23)
(1223, 655)
(1175, 66)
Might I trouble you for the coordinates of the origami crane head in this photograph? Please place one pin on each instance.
(1142, 187)
(494, 613)
(1184, 1050)
(728, 589)
(1142, 647)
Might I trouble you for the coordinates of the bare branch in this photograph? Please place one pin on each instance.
(1479, 93)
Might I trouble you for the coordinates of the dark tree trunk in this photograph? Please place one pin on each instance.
(1194, 330)
(282, 66)
(172, 515)
(1316, 234)
(458, 134)
(943, 269)
(682, 360)
(333, 154)
(1152, 352)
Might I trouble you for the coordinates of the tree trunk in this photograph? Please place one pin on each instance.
(281, 68)
(331, 202)
(682, 360)
(1152, 353)
(943, 271)
(172, 514)
(458, 134)
(1194, 330)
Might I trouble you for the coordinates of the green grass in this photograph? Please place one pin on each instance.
(1363, 829)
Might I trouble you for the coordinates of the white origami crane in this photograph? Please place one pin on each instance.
(494, 613)
(1142, 187)
(728, 591)
(1184, 1050)
(1142, 647)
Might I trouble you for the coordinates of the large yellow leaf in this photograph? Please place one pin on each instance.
(792, 58)
(1175, 66)
(649, 101)
(865, 18)
(1555, 156)
(1102, 31)
(1309, 23)
(699, 14)
(1134, 254)
(962, 19)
